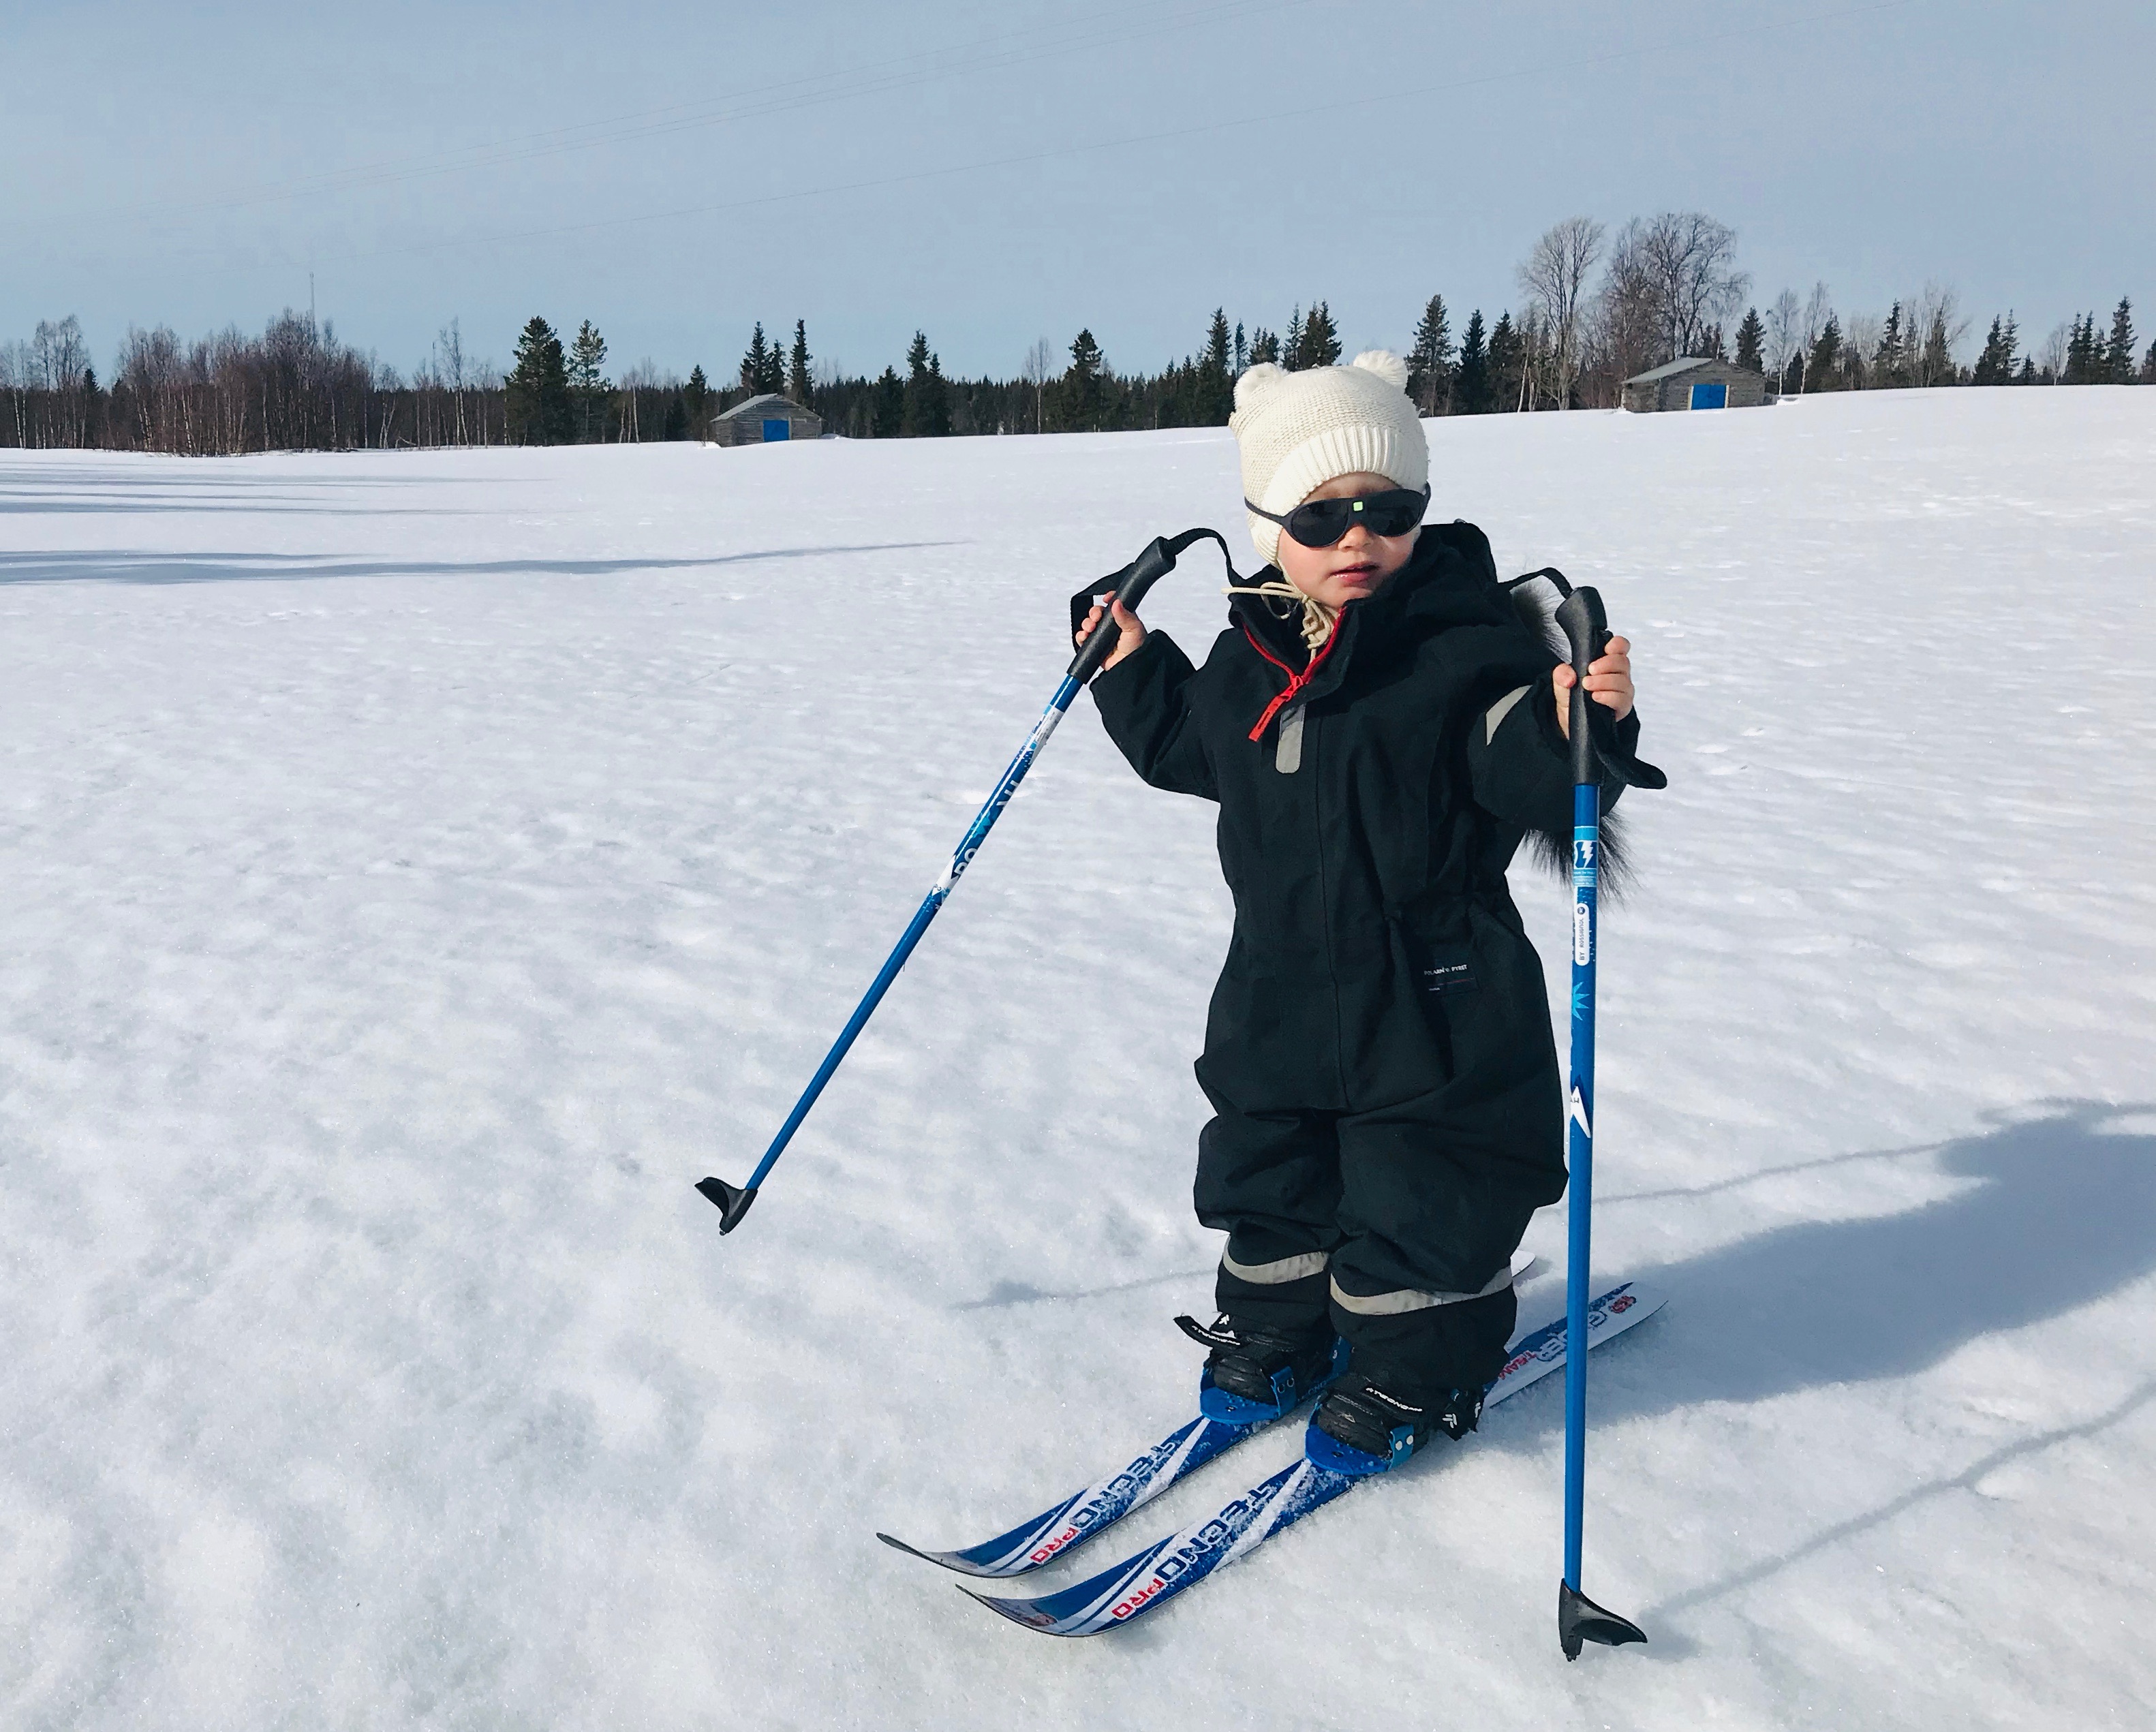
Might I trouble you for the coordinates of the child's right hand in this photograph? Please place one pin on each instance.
(1133, 629)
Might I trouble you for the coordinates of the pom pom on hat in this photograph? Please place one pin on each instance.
(1386, 365)
(1298, 431)
(1255, 381)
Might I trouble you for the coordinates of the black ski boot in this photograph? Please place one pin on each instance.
(1358, 1428)
(1255, 1375)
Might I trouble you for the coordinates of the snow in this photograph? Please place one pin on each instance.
(420, 869)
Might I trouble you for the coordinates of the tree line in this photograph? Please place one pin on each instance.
(1596, 307)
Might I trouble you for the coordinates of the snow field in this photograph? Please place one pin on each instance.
(421, 868)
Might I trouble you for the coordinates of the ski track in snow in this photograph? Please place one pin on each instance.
(420, 868)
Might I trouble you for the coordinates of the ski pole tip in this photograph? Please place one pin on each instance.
(732, 1201)
(1580, 1620)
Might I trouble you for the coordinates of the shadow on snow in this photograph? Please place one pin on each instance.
(112, 567)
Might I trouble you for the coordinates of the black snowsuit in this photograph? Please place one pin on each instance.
(1378, 1055)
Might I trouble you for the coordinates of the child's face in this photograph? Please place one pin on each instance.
(1356, 565)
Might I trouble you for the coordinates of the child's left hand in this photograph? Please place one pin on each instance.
(1608, 681)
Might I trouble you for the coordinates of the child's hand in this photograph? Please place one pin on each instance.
(1133, 633)
(1608, 681)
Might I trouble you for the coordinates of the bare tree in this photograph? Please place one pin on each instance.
(1861, 336)
(1554, 275)
(1783, 333)
(1937, 326)
(2051, 358)
(455, 371)
(1040, 369)
(16, 380)
(1819, 309)
(1622, 333)
(1690, 263)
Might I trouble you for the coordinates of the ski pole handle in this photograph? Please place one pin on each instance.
(1130, 586)
(1596, 753)
(1587, 633)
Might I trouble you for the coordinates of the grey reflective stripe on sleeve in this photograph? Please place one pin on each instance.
(1287, 755)
(1391, 1304)
(1284, 1269)
(1494, 717)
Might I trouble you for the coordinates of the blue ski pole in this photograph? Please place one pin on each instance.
(1595, 754)
(1130, 586)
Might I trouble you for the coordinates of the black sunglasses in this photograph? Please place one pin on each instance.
(1319, 523)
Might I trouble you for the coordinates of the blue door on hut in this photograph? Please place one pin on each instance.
(1703, 396)
(776, 427)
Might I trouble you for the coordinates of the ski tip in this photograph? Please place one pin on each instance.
(943, 1559)
(1025, 1613)
(732, 1201)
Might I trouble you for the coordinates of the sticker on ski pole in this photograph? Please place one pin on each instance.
(1583, 934)
(1578, 1114)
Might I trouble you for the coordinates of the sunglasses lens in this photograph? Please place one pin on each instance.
(1322, 522)
(1393, 514)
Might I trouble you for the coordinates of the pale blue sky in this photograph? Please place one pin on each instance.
(997, 173)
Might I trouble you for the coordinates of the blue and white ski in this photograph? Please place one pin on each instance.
(1126, 1592)
(1100, 1506)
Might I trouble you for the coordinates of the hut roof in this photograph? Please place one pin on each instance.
(1669, 370)
(755, 407)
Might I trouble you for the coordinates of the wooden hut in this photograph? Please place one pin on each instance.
(764, 419)
(1694, 383)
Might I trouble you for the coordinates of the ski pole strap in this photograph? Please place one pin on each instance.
(1129, 586)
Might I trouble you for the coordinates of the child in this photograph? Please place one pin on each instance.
(1381, 728)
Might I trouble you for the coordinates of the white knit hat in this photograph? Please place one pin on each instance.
(1298, 431)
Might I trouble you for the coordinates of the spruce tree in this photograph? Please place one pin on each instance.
(1216, 341)
(677, 419)
(1290, 355)
(1751, 342)
(1319, 344)
(798, 364)
(1429, 360)
(926, 414)
(2028, 371)
(2082, 355)
(757, 363)
(538, 410)
(1996, 365)
(586, 356)
(1936, 365)
(1471, 384)
(887, 412)
(2148, 366)
(1213, 387)
(1823, 371)
(94, 403)
(1081, 398)
(1890, 361)
(1263, 346)
(2119, 352)
(1508, 355)
(1242, 348)
(697, 394)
